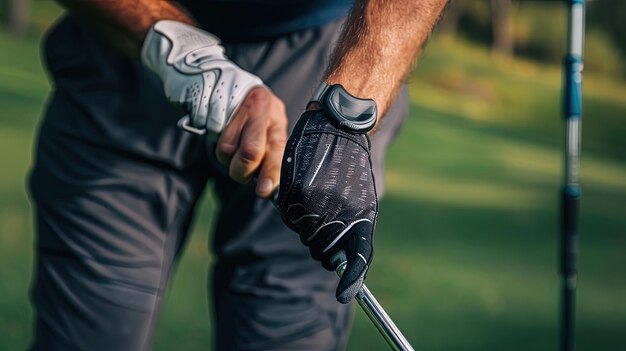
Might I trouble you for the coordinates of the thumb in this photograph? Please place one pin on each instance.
(359, 251)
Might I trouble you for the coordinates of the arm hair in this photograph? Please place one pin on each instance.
(379, 45)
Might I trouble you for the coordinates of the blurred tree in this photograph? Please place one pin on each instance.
(16, 16)
(474, 22)
(540, 30)
(601, 54)
(609, 15)
(502, 27)
(452, 16)
(487, 21)
(537, 30)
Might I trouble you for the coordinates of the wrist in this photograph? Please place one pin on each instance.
(348, 112)
(314, 106)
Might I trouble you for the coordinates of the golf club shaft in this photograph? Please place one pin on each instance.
(375, 312)
(570, 193)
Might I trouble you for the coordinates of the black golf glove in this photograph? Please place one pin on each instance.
(327, 196)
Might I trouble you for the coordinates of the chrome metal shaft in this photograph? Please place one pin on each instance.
(375, 312)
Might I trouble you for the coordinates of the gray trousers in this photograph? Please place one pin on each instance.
(114, 186)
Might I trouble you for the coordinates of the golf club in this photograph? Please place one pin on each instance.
(374, 310)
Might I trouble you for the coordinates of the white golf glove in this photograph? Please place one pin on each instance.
(197, 76)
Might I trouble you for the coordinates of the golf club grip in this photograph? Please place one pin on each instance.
(374, 310)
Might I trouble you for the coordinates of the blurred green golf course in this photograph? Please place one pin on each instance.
(467, 240)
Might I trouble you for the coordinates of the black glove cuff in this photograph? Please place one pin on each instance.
(317, 122)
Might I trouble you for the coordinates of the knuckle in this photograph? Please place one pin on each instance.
(258, 94)
(278, 142)
(281, 108)
(283, 123)
(250, 153)
(281, 105)
(225, 149)
(279, 129)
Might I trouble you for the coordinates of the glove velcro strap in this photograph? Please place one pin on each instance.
(313, 122)
(168, 42)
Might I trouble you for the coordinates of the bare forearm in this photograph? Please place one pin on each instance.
(125, 22)
(380, 42)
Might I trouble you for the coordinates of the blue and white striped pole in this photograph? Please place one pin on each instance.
(571, 193)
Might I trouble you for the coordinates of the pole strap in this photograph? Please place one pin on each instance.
(572, 92)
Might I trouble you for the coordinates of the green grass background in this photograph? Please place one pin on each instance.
(466, 246)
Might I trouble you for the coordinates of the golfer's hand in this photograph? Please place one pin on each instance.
(327, 195)
(197, 77)
(254, 140)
